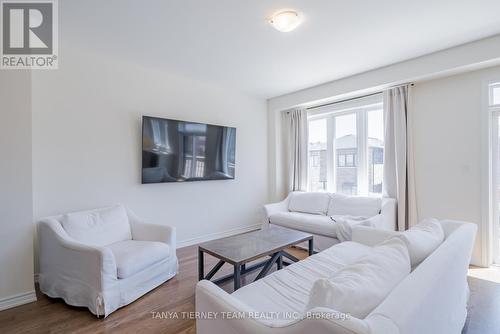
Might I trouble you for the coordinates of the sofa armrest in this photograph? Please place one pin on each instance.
(270, 209)
(374, 221)
(152, 232)
(370, 236)
(388, 214)
(62, 256)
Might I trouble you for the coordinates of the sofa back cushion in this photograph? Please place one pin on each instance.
(354, 205)
(422, 239)
(438, 283)
(99, 227)
(309, 202)
(361, 286)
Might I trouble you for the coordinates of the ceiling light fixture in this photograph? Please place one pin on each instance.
(286, 20)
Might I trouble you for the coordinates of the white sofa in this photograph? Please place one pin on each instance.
(431, 299)
(329, 216)
(103, 259)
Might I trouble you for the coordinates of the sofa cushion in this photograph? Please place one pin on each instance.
(354, 205)
(422, 239)
(132, 256)
(361, 286)
(309, 202)
(322, 225)
(287, 290)
(99, 227)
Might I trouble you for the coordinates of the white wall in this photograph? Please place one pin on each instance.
(87, 144)
(278, 174)
(447, 115)
(16, 215)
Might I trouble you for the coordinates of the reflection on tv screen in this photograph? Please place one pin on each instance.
(177, 151)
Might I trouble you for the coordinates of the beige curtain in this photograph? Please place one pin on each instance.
(295, 122)
(399, 177)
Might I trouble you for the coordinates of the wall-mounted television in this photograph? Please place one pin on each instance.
(179, 151)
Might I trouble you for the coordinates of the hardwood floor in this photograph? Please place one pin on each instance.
(49, 315)
(484, 303)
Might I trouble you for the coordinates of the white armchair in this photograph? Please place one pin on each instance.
(103, 259)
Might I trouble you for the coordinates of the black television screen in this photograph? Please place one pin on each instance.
(178, 151)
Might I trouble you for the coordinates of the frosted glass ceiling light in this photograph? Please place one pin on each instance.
(286, 20)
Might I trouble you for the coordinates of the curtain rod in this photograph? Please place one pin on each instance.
(356, 98)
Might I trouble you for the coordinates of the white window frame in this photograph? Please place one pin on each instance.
(492, 232)
(495, 114)
(360, 108)
(491, 87)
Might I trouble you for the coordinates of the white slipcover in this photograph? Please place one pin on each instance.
(132, 256)
(309, 202)
(288, 289)
(311, 212)
(359, 287)
(322, 225)
(354, 205)
(422, 239)
(104, 278)
(431, 299)
(98, 227)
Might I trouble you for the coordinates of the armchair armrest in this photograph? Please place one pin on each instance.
(62, 256)
(370, 236)
(152, 232)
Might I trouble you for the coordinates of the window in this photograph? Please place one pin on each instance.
(346, 147)
(346, 160)
(315, 159)
(494, 113)
(346, 176)
(375, 150)
(340, 160)
(317, 155)
(494, 94)
(194, 156)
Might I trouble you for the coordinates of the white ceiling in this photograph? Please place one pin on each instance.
(229, 43)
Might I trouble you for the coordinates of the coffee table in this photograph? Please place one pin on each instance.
(240, 249)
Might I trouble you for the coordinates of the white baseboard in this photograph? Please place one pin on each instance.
(17, 300)
(218, 235)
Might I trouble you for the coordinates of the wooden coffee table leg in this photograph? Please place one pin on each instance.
(279, 263)
(311, 247)
(237, 276)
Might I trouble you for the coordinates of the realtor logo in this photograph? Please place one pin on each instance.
(29, 34)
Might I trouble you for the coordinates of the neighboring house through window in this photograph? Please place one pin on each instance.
(346, 147)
